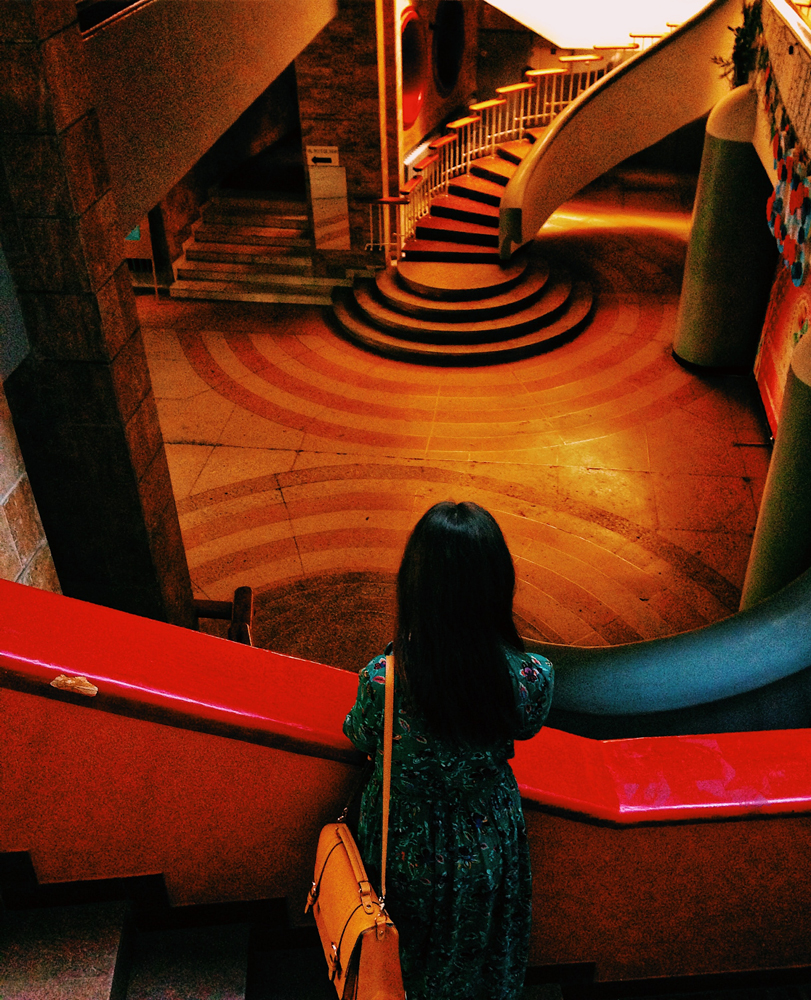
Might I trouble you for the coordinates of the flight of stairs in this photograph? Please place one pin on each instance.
(135, 947)
(103, 952)
(451, 300)
(117, 950)
(119, 939)
(250, 246)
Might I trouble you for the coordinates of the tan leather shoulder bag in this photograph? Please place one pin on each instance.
(360, 941)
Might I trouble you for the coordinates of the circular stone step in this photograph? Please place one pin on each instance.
(452, 282)
(459, 329)
(357, 328)
(488, 306)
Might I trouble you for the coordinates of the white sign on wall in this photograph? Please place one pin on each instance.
(322, 156)
(330, 207)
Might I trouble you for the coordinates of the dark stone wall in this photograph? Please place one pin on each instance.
(81, 401)
(504, 51)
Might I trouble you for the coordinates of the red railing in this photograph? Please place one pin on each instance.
(215, 764)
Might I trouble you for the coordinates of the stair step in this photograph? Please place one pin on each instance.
(439, 229)
(238, 253)
(190, 962)
(442, 281)
(197, 270)
(289, 209)
(436, 251)
(493, 168)
(556, 333)
(514, 151)
(460, 330)
(486, 307)
(477, 189)
(249, 291)
(451, 206)
(242, 209)
(535, 134)
(233, 230)
(207, 232)
(61, 953)
(293, 974)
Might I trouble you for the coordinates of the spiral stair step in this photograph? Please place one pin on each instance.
(493, 168)
(451, 206)
(438, 229)
(436, 250)
(461, 329)
(478, 189)
(514, 151)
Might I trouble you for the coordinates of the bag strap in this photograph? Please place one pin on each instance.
(388, 728)
(365, 774)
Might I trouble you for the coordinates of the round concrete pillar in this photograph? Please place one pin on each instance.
(781, 548)
(731, 254)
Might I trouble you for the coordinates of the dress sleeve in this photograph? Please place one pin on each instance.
(534, 678)
(364, 723)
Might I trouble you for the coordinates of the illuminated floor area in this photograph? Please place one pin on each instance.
(626, 486)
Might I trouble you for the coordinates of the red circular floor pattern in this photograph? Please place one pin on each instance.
(627, 487)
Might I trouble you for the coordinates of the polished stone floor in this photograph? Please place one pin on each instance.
(626, 486)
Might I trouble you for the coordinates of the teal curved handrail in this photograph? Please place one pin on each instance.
(640, 102)
(746, 651)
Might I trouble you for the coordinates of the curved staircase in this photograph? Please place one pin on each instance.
(451, 300)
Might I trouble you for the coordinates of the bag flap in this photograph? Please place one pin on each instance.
(340, 894)
(362, 947)
(335, 835)
(374, 969)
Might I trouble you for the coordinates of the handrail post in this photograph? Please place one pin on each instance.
(381, 99)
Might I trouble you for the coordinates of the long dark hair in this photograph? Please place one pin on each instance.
(454, 593)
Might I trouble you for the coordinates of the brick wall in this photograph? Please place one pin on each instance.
(338, 104)
(24, 553)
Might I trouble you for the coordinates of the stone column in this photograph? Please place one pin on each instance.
(81, 400)
(781, 548)
(731, 254)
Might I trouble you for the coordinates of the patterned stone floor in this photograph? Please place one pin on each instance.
(627, 487)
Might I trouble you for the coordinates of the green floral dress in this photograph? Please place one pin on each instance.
(458, 878)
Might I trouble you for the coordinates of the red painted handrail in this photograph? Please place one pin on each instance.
(215, 765)
(151, 670)
(148, 669)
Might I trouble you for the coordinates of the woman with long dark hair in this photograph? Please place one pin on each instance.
(459, 884)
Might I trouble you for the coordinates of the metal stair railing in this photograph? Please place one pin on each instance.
(535, 103)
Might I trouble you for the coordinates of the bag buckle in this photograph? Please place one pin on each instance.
(312, 895)
(365, 889)
(333, 964)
